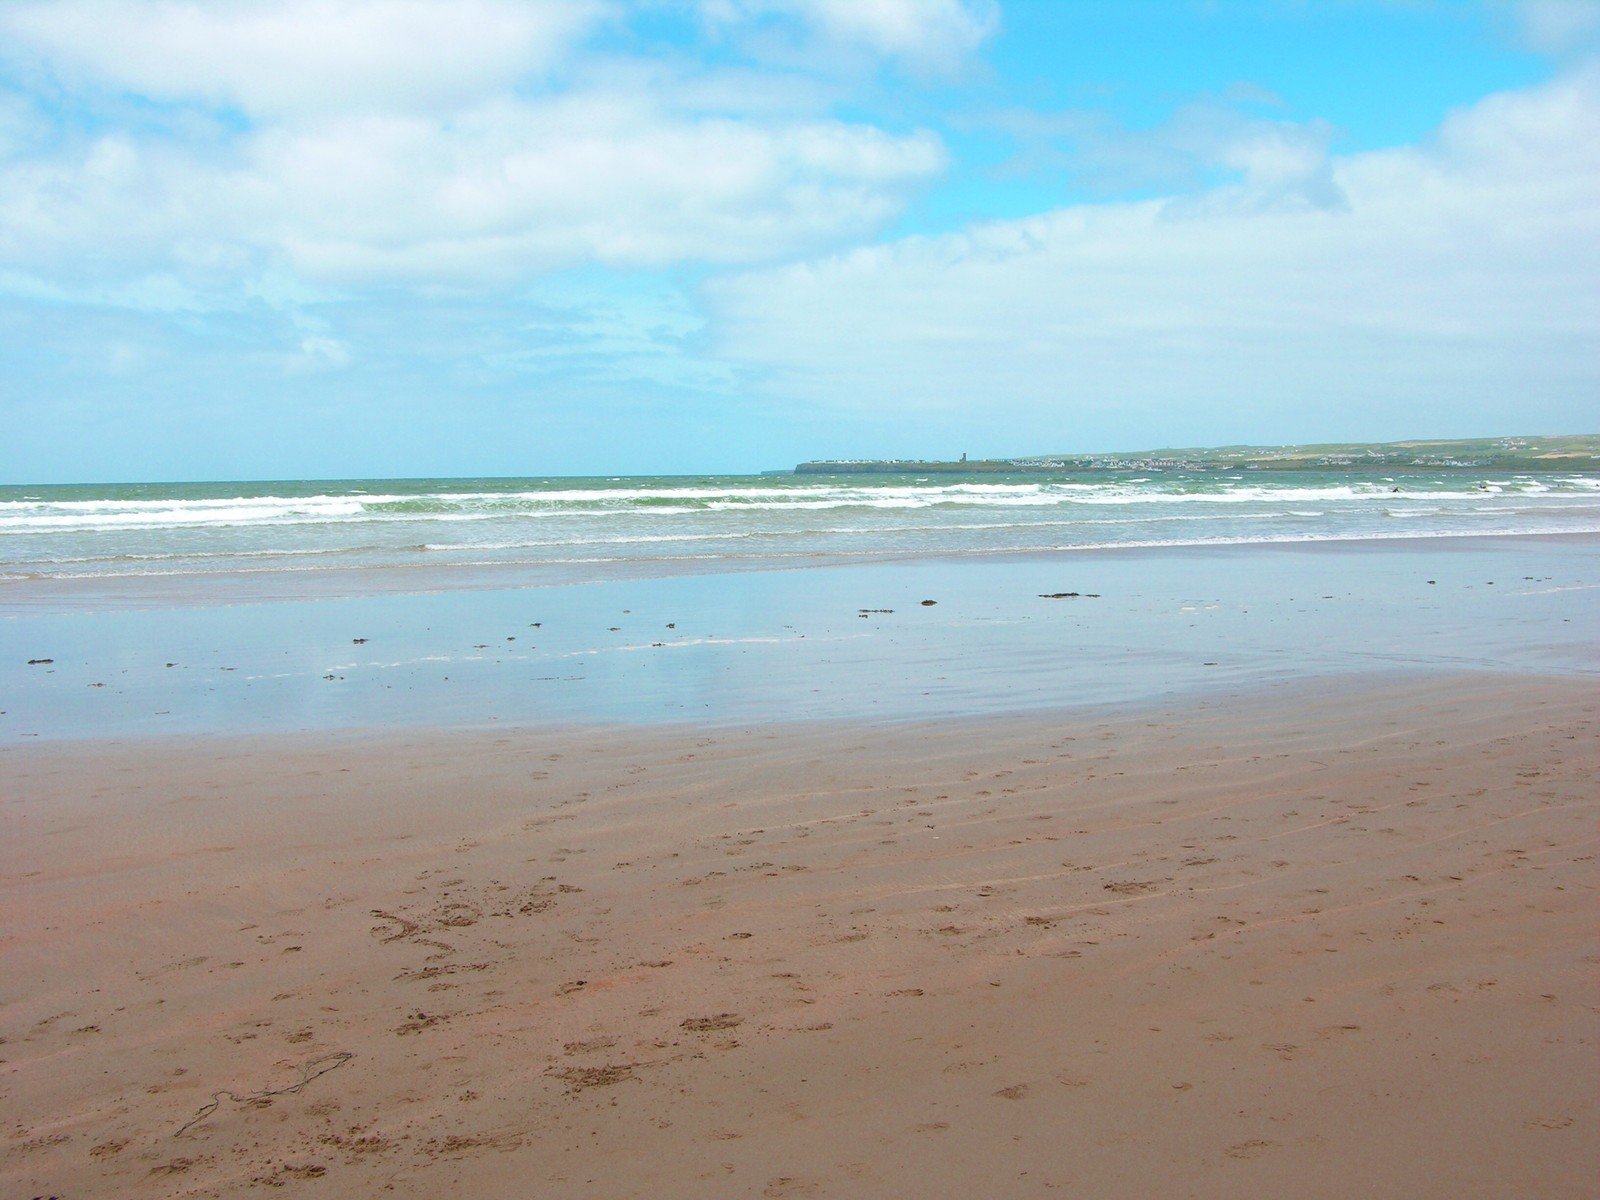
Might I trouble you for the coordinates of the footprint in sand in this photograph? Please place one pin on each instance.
(711, 1024)
(1254, 1149)
(417, 1022)
(789, 1185)
(292, 1171)
(580, 1079)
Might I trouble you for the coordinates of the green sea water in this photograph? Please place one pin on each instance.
(621, 526)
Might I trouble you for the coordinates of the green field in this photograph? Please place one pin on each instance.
(1572, 452)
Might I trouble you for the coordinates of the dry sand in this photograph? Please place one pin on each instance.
(1326, 943)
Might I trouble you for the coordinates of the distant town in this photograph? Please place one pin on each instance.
(1574, 452)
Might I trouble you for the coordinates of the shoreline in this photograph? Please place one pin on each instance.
(1199, 703)
(1305, 941)
(883, 642)
(57, 593)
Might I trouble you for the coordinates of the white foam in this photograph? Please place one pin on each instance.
(612, 523)
(45, 514)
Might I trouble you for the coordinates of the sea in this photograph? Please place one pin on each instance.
(180, 610)
(561, 529)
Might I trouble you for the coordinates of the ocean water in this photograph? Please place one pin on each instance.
(564, 530)
(240, 608)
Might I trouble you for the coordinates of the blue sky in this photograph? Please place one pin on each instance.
(314, 238)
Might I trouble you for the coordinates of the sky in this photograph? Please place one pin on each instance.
(296, 239)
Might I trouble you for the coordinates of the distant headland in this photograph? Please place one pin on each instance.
(1573, 452)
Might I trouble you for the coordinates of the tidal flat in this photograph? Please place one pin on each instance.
(1006, 633)
(1268, 869)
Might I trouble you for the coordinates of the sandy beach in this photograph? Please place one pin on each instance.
(799, 600)
(1304, 941)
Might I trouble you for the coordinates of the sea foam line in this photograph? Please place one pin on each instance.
(867, 554)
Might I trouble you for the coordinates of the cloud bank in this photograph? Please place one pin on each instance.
(469, 142)
(696, 225)
(1436, 277)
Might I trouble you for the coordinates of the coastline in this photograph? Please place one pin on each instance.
(846, 642)
(438, 760)
(273, 584)
(1308, 940)
(1267, 868)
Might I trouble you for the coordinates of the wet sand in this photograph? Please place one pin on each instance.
(1320, 940)
(852, 643)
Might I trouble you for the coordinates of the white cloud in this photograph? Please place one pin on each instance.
(1465, 272)
(386, 142)
(1558, 26)
(1275, 160)
(20, 125)
(924, 33)
(611, 332)
(504, 191)
(299, 56)
(521, 188)
(320, 354)
(936, 31)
